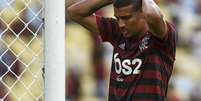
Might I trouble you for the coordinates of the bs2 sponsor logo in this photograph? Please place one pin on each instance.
(124, 66)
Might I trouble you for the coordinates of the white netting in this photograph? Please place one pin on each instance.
(21, 50)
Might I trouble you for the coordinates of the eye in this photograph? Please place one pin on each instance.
(125, 17)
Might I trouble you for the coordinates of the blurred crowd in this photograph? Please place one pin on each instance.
(89, 60)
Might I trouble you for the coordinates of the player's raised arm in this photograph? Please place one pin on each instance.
(82, 12)
(154, 18)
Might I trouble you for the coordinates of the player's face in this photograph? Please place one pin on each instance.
(131, 22)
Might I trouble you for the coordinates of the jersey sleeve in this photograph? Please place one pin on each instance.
(172, 37)
(168, 43)
(108, 29)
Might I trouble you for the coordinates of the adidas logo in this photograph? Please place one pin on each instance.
(122, 46)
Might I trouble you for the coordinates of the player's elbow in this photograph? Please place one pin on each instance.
(154, 16)
(152, 11)
(72, 13)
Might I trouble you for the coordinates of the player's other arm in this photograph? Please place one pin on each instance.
(154, 18)
(82, 12)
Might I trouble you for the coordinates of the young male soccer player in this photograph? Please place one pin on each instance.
(144, 46)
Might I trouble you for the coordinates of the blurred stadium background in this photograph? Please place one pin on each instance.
(88, 60)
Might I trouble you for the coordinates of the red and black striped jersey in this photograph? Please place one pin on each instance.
(141, 66)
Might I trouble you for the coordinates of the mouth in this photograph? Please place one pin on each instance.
(124, 32)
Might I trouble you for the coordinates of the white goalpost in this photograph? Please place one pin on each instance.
(27, 45)
(54, 50)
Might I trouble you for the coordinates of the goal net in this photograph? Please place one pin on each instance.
(21, 50)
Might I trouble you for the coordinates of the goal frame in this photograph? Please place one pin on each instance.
(54, 41)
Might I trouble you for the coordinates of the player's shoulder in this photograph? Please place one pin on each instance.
(170, 26)
(171, 32)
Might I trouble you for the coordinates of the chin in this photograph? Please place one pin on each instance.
(135, 34)
(127, 36)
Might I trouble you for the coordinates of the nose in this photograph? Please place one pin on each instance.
(121, 23)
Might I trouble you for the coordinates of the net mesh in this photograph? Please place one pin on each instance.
(21, 50)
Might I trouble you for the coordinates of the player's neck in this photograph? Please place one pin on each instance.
(138, 36)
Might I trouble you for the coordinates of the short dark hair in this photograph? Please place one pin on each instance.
(137, 4)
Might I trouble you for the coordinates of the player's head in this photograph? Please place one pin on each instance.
(137, 4)
(129, 16)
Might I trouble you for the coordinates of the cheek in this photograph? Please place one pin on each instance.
(134, 23)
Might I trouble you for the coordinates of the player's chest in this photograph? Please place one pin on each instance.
(128, 58)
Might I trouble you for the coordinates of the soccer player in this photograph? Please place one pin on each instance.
(144, 46)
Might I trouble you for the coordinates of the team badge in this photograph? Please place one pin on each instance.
(144, 43)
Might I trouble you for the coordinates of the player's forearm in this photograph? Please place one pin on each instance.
(86, 8)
